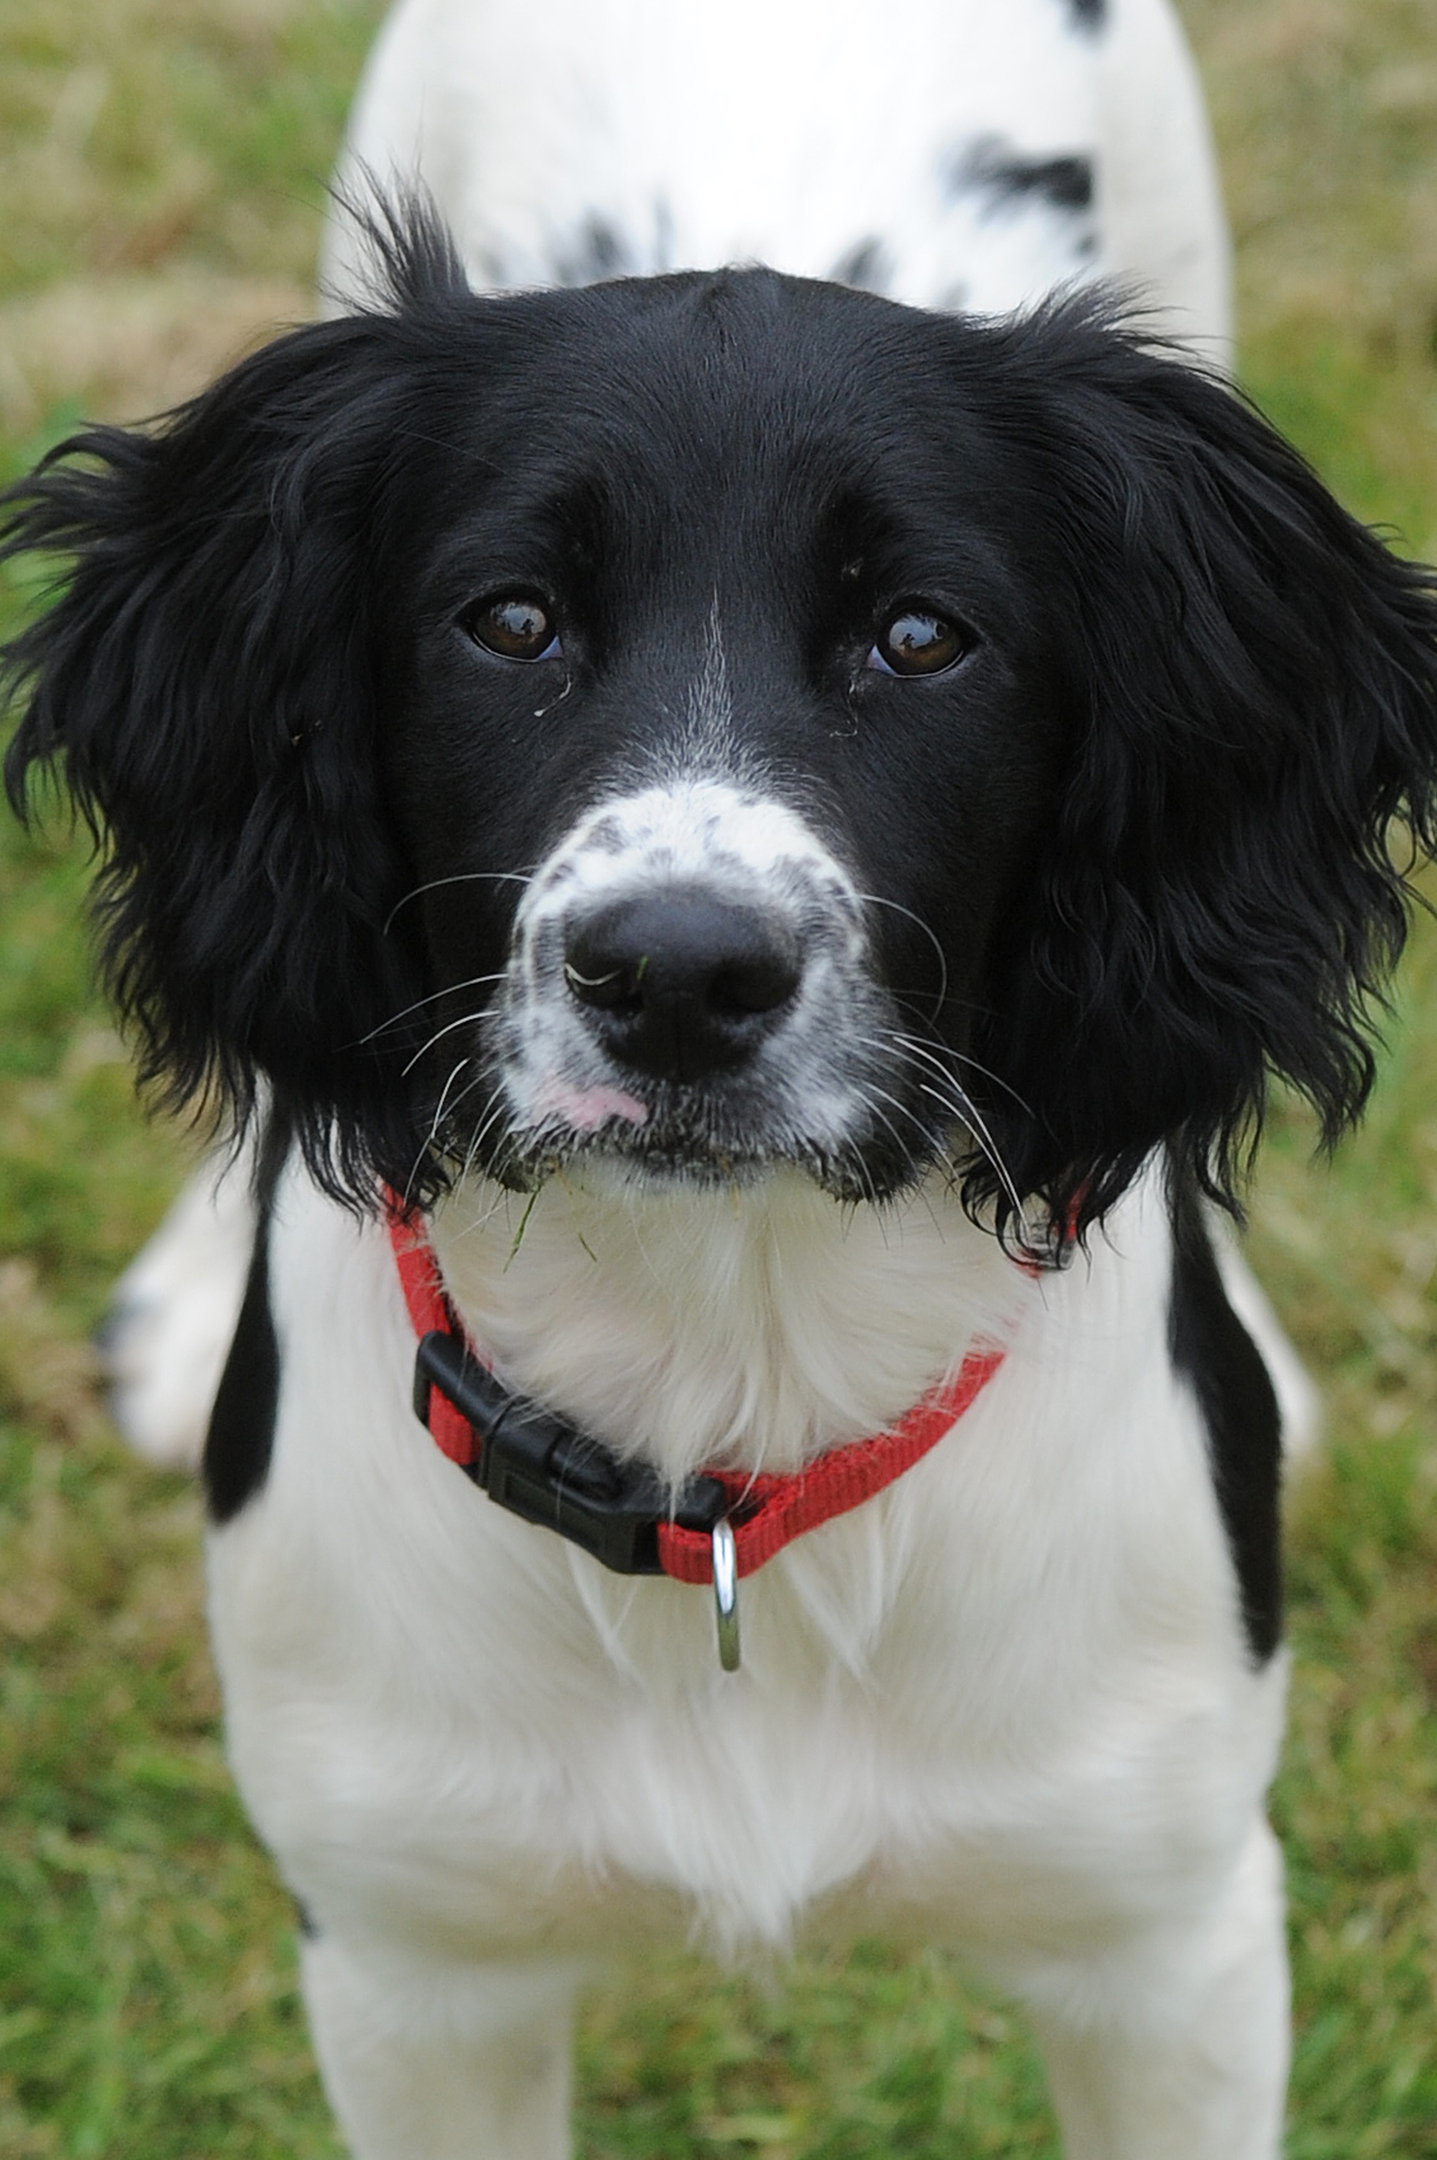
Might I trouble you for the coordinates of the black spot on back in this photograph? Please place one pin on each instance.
(1005, 177)
(1089, 14)
(241, 1435)
(597, 250)
(1213, 1352)
(863, 267)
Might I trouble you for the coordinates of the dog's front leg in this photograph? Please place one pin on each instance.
(435, 2060)
(1175, 2046)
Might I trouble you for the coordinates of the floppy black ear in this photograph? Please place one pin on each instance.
(207, 677)
(1252, 679)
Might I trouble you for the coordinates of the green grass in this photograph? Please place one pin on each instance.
(160, 184)
(141, 132)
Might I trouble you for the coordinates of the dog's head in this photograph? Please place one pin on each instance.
(723, 720)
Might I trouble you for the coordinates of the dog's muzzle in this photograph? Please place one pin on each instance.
(691, 988)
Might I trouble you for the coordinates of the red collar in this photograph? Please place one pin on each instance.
(545, 1470)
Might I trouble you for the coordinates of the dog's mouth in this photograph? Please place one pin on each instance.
(657, 1135)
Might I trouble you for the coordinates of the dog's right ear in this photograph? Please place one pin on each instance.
(1252, 686)
(205, 682)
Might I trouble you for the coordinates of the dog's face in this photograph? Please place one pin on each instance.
(723, 720)
(726, 719)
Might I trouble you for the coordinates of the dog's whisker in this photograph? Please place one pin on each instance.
(963, 1111)
(951, 1091)
(917, 1047)
(912, 1050)
(459, 877)
(484, 1124)
(878, 900)
(436, 1123)
(468, 1019)
(870, 1097)
(470, 982)
(438, 1116)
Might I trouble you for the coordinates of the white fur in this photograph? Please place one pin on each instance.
(172, 1316)
(1006, 1705)
(793, 135)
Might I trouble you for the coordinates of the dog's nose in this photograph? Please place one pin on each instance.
(682, 984)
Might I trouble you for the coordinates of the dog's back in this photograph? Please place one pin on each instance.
(956, 154)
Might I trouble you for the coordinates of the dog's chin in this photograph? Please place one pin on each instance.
(665, 1157)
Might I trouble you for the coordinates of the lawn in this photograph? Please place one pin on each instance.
(161, 168)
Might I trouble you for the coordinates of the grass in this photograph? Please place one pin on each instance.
(160, 195)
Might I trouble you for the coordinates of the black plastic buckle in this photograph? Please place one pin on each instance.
(540, 1467)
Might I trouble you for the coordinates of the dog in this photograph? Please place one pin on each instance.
(745, 852)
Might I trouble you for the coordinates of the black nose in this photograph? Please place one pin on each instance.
(682, 984)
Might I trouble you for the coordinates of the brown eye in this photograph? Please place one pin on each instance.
(916, 642)
(516, 626)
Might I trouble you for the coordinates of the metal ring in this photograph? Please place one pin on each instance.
(725, 1559)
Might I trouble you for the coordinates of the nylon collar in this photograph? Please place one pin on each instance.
(541, 1467)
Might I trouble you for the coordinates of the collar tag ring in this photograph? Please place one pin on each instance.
(725, 1557)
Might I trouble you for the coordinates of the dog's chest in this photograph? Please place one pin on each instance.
(992, 1693)
(506, 1791)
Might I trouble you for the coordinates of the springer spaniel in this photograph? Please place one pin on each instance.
(748, 851)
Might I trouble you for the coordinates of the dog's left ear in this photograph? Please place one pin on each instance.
(207, 685)
(204, 683)
(1252, 680)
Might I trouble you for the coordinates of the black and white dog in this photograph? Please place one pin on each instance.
(786, 833)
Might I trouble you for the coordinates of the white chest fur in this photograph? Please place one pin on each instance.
(1002, 1690)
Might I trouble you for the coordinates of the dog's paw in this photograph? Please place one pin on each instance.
(164, 1341)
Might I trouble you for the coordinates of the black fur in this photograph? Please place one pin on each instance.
(1146, 819)
(1089, 14)
(1213, 1351)
(240, 1439)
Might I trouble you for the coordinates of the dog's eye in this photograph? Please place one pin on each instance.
(915, 641)
(515, 625)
